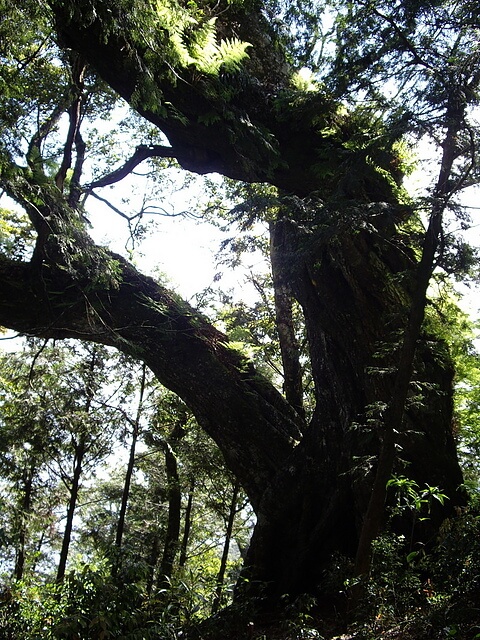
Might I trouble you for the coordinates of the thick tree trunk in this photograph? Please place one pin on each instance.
(259, 135)
(315, 507)
(395, 411)
(310, 490)
(250, 421)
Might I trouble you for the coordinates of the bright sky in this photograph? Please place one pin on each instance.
(182, 248)
(421, 179)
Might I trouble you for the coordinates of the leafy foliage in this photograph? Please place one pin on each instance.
(420, 595)
(388, 68)
(16, 238)
(107, 590)
(88, 605)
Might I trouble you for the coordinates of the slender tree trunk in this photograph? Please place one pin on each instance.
(152, 563)
(80, 451)
(232, 512)
(187, 526)
(174, 512)
(72, 503)
(130, 466)
(78, 67)
(155, 542)
(38, 548)
(26, 508)
(289, 348)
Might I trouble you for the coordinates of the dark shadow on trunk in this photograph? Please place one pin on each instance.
(289, 347)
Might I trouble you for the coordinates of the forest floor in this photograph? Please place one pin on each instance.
(414, 627)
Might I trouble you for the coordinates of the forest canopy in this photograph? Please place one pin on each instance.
(340, 407)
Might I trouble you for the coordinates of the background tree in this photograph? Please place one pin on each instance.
(84, 427)
(25, 444)
(135, 424)
(63, 427)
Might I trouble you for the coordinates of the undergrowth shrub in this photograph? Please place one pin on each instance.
(88, 605)
(416, 595)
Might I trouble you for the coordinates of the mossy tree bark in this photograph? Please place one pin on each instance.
(352, 273)
(301, 479)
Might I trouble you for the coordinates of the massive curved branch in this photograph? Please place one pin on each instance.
(79, 290)
(246, 126)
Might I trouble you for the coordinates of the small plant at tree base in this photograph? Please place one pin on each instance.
(410, 496)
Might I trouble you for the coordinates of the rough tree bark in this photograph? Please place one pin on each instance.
(308, 499)
(393, 418)
(354, 284)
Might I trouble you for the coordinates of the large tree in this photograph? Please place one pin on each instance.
(346, 240)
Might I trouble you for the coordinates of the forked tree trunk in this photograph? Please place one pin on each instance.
(314, 507)
(310, 492)
(309, 485)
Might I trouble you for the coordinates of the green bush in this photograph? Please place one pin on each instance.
(88, 605)
(425, 596)
(455, 569)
